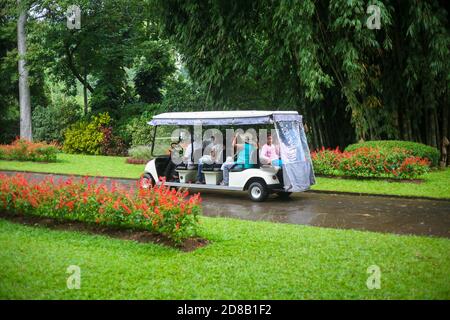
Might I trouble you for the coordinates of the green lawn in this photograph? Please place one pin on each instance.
(246, 260)
(436, 183)
(80, 164)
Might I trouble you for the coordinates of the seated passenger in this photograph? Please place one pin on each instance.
(188, 154)
(243, 158)
(270, 153)
(215, 150)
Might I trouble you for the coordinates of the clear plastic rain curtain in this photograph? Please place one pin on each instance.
(298, 173)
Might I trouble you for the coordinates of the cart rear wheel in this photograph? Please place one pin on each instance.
(258, 192)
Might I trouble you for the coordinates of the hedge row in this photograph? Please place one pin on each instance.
(416, 149)
(370, 163)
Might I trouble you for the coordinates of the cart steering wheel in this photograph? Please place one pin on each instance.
(175, 146)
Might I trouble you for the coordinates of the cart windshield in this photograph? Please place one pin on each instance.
(167, 138)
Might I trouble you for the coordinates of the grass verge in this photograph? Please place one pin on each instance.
(435, 184)
(80, 165)
(245, 260)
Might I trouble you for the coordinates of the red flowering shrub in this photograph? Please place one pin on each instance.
(135, 161)
(326, 161)
(370, 162)
(413, 167)
(157, 209)
(24, 150)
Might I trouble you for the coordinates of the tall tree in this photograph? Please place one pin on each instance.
(322, 59)
(24, 89)
(115, 35)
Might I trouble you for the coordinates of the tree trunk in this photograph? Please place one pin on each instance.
(317, 127)
(24, 89)
(438, 129)
(404, 125)
(432, 129)
(314, 131)
(85, 97)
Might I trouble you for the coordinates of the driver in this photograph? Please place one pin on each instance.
(170, 173)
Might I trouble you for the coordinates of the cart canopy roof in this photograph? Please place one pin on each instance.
(223, 117)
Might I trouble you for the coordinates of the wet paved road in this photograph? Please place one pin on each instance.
(380, 214)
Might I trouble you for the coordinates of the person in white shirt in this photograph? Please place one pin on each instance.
(187, 156)
(215, 151)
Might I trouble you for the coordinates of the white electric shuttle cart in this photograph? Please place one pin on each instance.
(293, 174)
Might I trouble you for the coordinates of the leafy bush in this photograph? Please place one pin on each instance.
(112, 145)
(370, 162)
(23, 150)
(140, 154)
(49, 123)
(9, 121)
(86, 136)
(133, 128)
(157, 209)
(416, 149)
(141, 132)
(94, 137)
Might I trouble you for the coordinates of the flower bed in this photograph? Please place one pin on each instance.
(368, 162)
(139, 155)
(135, 161)
(157, 209)
(23, 150)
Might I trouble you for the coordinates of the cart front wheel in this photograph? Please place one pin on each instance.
(258, 192)
(147, 181)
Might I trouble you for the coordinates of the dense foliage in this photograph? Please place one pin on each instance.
(368, 162)
(416, 149)
(49, 123)
(111, 144)
(94, 136)
(115, 60)
(23, 150)
(350, 82)
(9, 104)
(135, 129)
(320, 58)
(86, 136)
(157, 209)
